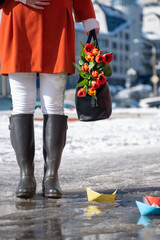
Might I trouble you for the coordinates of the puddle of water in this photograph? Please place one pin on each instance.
(72, 217)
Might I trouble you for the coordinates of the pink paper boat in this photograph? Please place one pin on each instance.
(151, 200)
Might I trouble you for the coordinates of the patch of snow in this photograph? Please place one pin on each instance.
(88, 138)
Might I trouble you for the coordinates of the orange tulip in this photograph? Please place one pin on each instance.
(91, 91)
(85, 68)
(95, 52)
(89, 57)
(95, 74)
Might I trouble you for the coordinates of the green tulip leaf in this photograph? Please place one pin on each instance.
(95, 97)
(82, 83)
(77, 67)
(81, 62)
(94, 43)
(84, 74)
(82, 49)
(86, 88)
(91, 65)
(100, 65)
(107, 70)
(83, 59)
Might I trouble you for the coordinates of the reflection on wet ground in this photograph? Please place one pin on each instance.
(73, 217)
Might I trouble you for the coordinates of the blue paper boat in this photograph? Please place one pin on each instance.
(146, 209)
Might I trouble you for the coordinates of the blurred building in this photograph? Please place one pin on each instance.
(147, 2)
(143, 2)
(151, 36)
(151, 19)
(133, 11)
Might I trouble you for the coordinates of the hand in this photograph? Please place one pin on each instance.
(38, 4)
(97, 31)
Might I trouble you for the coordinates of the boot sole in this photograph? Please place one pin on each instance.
(25, 194)
(52, 196)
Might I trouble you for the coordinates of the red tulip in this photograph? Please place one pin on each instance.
(95, 84)
(101, 79)
(99, 58)
(81, 92)
(88, 48)
(107, 58)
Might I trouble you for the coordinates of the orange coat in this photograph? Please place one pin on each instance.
(40, 40)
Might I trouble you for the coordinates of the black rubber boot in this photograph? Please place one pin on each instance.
(54, 139)
(22, 139)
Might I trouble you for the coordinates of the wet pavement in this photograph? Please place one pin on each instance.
(68, 218)
(72, 216)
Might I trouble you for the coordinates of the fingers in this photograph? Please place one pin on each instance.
(97, 31)
(42, 3)
(38, 4)
(34, 2)
(36, 7)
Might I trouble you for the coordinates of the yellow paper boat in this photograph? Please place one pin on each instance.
(98, 197)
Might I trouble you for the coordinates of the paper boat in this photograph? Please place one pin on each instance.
(98, 197)
(152, 200)
(146, 209)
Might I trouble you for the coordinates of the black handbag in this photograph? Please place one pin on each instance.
(88, 108)
(2, 1)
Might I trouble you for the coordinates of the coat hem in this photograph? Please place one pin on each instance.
(5, 73)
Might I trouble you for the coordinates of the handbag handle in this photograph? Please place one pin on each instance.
(92, 34)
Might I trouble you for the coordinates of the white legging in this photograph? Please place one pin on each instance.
(23, 91)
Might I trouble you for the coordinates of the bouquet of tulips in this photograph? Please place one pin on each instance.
(93, 67)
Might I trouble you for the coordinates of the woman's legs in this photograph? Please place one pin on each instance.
(52, 87)
(23, 92)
